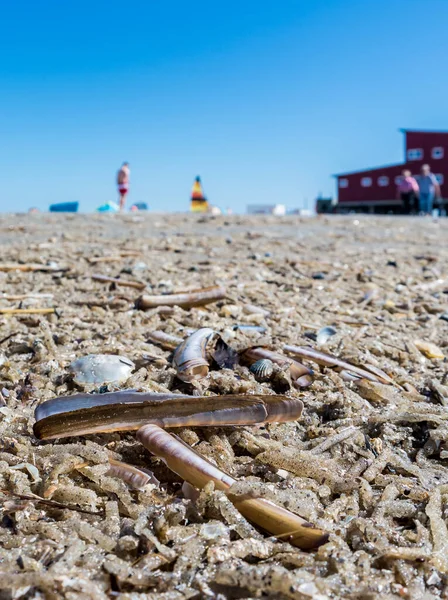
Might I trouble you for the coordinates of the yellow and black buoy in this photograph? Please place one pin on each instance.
(198, 202)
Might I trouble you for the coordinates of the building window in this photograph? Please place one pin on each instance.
(383, 181)
(439, 178)
(343, 183)
(437, 152)
(366, 181)
(398, 179)
(415, 154)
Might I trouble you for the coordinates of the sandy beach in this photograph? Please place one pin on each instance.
(366, 462)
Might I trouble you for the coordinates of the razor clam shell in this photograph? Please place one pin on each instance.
(134, 477)
(327, 360)
(128, 410)
(96, 369)
(189, 358)
(199, 297)
(324, 334)
(262, 369)
(196, 470)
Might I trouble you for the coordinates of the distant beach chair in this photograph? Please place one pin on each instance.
(110, 207)
(70, 207)
(139, 206)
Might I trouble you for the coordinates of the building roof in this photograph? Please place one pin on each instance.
(402, 164)
(431, 131)
(381, 167)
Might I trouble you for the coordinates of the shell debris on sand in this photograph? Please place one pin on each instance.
(366, 462)
(96, 369)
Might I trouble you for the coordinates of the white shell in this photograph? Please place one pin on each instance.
(101, 368)
(324, 334)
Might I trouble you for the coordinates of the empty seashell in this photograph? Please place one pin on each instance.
(262, 369)
(101, 368)
(190, 358)
(429, 349)
(324, 334)
(32, 470)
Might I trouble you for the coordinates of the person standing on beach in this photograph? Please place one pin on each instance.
(429, 189)
(407, 192)
(123, 183)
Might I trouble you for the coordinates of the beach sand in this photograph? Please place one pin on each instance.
(366, 462)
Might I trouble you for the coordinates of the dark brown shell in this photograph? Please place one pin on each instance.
(128, 410)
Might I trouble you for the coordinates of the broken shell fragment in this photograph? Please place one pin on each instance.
(195, 469)
(324, 334)
(374, 391)
(134, 477)
(262, 369)
(429, 349)
(128, 410)
(199, 297)
(190, 356)
(251, 309)
(96, 369)
(132, 284)
(249, 328)
(164, 340)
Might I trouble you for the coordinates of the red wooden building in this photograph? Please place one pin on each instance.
(374, 190)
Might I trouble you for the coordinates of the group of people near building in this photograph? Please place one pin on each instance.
(419, 193)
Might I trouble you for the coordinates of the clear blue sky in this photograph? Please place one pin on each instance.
(264, 99)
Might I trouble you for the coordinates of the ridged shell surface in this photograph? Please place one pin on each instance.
(262, 369)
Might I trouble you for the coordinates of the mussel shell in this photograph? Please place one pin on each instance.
(96, 369)
(262, 369)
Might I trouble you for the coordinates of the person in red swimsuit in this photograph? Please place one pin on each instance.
(123, 183)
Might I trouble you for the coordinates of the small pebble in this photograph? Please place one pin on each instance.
(140, 266)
